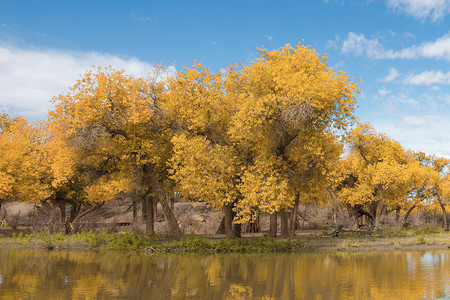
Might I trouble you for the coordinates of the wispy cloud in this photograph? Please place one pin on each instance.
(383, 92)
(141, 18)
(269, 37)
(41, 34)
(419, 132)
(29, 78)
(435, 10)
(431, 77)
(394, 103)
(393, 74)
(358, 44)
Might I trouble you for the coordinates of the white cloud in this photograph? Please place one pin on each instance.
(428, 78)
(393, 74)
(427, 133)
(358, 44)
(269, 37)
(405, 99)
(383, 92)
(421, 9)
(29, 78)
(420, 121)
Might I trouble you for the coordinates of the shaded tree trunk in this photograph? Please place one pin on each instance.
(273, 225)
(407, 214)
(372, 213)
(444, 215)
(237, 230)
(134, 207)
(144, 209)
(169, 215)
(284, 216)
(62, 209)
(357, 211)
(397, 213)
(336, 205)
(163, 199)
(228, 220)
(221, 228)
(76, 213)
(293, 217)
(150, 219)
(253, 225)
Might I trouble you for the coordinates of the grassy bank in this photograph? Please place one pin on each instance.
(401, 239)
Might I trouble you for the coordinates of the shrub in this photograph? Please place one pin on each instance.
(189, 244)
(426, 230)
(130, 241)
(421, 240)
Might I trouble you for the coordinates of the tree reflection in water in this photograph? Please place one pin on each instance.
(107, 275)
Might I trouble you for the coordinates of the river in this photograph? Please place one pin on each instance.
(41, 274)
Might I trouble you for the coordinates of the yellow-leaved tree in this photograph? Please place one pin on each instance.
(24, 168)
(375, 175)
(259, 138)
(110, 138)
(290, 107)
(205, 163)
(438, 188)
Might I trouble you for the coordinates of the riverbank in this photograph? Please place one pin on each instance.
(424, 238)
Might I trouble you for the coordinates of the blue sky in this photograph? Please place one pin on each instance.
(399, 49)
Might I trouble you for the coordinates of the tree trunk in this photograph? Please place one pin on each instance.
(237, 230)
(284, 216)
(293, 217)
(353, 215)
(444, 214)
(397, 213)
(134, 206)
(62, 209)
(150, 220)
(172, 203)
(253, 225)
(273, 225)
(373, 209)
(74, 212)
(221, 228)
(155, 208)
(228, 215)
(336, 205)
(407, 214)
(162, 198)
(144, 208)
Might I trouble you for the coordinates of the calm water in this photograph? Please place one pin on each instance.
(39, 274)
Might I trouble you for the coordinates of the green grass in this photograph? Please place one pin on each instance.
(348, 245)
(426, 230)
(400, 232)
(421, 240)
(250, 245)
(130, 241)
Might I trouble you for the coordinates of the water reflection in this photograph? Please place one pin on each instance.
(117, 275)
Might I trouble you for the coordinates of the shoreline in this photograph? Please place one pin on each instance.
(306, 243)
